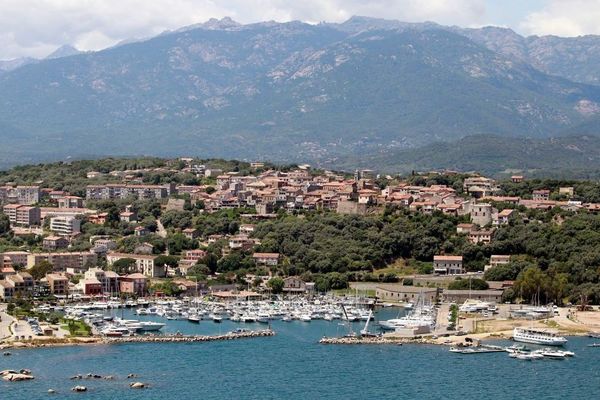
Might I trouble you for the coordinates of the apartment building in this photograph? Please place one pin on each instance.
(21, 215)
(65, 226)
(123, 191)
(75, 262)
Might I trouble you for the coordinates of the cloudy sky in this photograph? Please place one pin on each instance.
(35, 28)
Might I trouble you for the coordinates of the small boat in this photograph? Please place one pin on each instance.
(286, 318)
(216, 318)
(594, 345)
(529, 356)
(551, 354)
(595, 335)
(263, 318)
(194, 318)
(305, 318)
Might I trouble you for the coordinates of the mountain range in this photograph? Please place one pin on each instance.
(365, 89)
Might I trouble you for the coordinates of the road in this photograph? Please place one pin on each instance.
(5, 323)
(160, 229)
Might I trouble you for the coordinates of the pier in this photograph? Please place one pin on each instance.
(189, 338)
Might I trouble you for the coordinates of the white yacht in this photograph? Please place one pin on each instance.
(148, 326)
(537, 336)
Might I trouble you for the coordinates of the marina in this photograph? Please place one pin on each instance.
(253, 369)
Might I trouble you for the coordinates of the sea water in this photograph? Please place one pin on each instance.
(293, 365)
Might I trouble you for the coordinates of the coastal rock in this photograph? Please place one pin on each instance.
(78, 376)
(137, 385)
(109, 377)
(7, 353)
(132, 376)
(79, 388)
(17, 377)
(8, 371)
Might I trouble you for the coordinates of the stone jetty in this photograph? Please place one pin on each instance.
(189, 338)
(358, 340)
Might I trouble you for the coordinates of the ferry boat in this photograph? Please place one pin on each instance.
(537, 336)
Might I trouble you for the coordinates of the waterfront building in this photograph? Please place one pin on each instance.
(448, 265)
(407, 294)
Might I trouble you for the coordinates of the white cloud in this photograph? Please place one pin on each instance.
(564, 18)
(37, 27)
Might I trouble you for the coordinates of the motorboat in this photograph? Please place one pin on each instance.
(551, 354)
(216, 318)
(195, 318)
(149, 326)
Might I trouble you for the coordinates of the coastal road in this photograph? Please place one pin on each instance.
(5, 323)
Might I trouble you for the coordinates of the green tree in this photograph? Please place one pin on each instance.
(276, 284)
(123, 266)
(4, 224)
(38, 271)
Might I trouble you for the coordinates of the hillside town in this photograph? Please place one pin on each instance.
(55, 220)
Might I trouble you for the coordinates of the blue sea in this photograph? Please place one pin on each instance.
(292, 365)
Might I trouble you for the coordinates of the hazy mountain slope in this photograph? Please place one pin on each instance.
(288, 91)
(569, 156)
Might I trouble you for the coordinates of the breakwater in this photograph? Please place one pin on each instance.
(189, 338)
(375, 340)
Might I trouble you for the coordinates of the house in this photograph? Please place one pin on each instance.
(247, 228)
(90, 286)
(193, 256)
(191, 233)
(566, 191)
(136, 284)
(55, 242)
(70, 202)
(140, 231)
(268, 259)
(7, 290)
(448, 265)
(504, 217)
(516, 178)
(481, 236)
(497, 259)
(464, 228)
(144, 248)
(406, 294)
(97, 219)
(58, 284)
(128, 216)
(294, 284)
(541, 195)
(240, 242)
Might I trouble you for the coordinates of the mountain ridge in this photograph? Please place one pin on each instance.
(285, 91)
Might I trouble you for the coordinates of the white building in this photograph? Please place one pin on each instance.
(65, 226)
